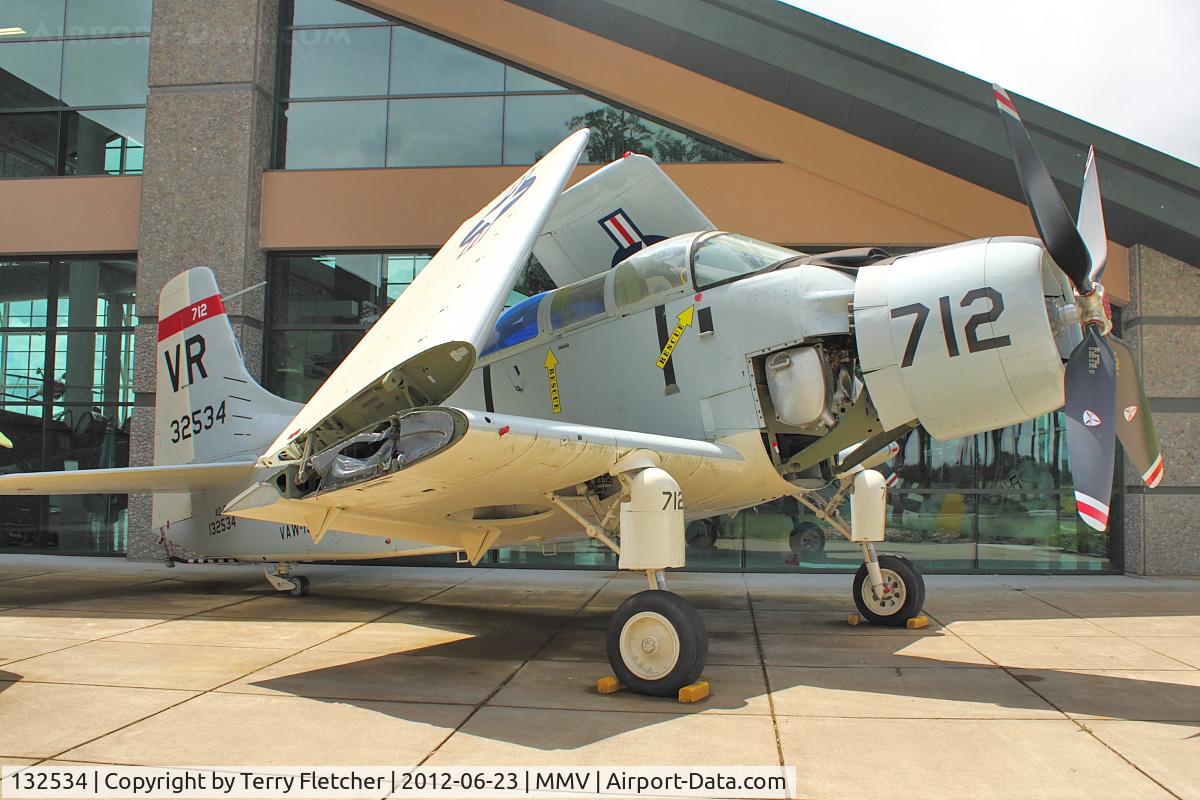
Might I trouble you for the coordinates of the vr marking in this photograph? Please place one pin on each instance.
(188, 316)
(193, 351)
(551, 366)
(685, 318)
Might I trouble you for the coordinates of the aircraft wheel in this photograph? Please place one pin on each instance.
(807, 540)
(657, 643)
(903, 593)
(301, 585)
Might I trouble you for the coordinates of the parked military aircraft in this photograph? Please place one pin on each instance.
(680, 372)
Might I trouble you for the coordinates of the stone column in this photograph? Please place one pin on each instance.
(209, 125)
(1162, 326)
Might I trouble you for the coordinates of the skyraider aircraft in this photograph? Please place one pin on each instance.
(679, 373)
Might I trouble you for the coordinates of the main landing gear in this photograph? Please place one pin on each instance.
(657, 642)
(888, 589)
(283, 580)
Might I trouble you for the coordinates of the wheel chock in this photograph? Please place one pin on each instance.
(608, 684)
(916, 623)
(855, 619)
(694, 692)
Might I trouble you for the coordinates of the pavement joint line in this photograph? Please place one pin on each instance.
(762, 665)
(215, 689)
(30, 575)
(562, 626)
(1077, 722)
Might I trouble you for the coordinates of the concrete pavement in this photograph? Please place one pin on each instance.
(1021, 687)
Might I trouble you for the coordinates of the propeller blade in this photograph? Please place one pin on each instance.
(1091, 393)
(1135, 426)
(1091, 218)
(1050, 215)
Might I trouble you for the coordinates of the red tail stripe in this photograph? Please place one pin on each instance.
(184, 318)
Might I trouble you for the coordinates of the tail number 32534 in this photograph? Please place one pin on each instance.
(195, 423)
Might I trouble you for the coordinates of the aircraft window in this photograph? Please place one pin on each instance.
(517, 324)
(728, 256)
(655, 270)
(577, 302)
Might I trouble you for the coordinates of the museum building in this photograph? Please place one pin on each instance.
(315, 153)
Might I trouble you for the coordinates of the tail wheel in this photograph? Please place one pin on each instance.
(901, 598)
(657, 643)
(301, 585)
(807, 540)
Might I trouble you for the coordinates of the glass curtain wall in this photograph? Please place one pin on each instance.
(73, 85)
(363, 91)
(66, 394)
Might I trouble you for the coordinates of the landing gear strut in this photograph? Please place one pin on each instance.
(888, 589)
(657, 643)
(283, 580)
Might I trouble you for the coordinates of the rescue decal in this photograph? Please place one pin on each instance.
(551, 366)
(685, 318)
(188, 316)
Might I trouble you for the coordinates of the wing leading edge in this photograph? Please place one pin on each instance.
(128, 480)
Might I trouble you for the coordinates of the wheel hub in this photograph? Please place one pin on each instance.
(890, 597)
(649, 645)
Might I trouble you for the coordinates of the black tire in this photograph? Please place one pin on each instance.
(689, 631)
(892, 612)
(807, 540)
(701, 534)
(301, 587)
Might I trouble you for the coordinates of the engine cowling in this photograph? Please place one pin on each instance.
(960, 337)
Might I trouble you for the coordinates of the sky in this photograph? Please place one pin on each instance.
(1130, 66)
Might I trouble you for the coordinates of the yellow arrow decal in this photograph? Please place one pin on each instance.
(551, 365)
(685, 320)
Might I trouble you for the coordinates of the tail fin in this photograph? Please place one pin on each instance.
(209, 408)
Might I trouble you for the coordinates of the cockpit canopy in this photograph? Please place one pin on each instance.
(680, 264)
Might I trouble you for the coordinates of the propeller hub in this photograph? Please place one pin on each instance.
(1092, 309)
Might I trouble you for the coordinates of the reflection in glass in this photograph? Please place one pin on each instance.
(533, 125)
(30, 74)
(105, 72)
(516, 80)
(935, 464)
(66, 394)
(329, 12)
(400, 270)
(454, 131)
(105, 142)
(1042, 532)
(108, 17)
(339, 134)
(300, 361)
(28, 145)
(325, 290)
(577, 302)
(331, 62)
(32, 18)
(728, 256)
(423, 64)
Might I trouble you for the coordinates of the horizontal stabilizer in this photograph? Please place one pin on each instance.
(128, 480)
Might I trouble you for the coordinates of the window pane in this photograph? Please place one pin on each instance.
(577, 302)
(29, 74)
(329, 12)
(729, 255)
(1026, 457)
(652, 272)
(28, 145)
(107, 17)
(300, 361)
(517, 81)
(422, 64)
(400, 270)
(928, 463)
(669, 146)
(1037, 531)
(102, 72)
(444, 132)
(32, 18)
(105, 142)
(338, 134)
(517, 324)
(339, 62)
(325, 290)
(533, 125)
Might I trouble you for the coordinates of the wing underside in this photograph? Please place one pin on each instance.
(128, 480)
(493, 472)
